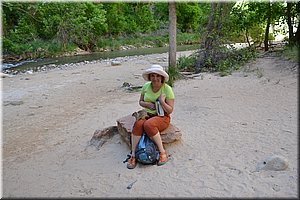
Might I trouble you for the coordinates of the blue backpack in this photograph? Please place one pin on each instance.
(146, 151)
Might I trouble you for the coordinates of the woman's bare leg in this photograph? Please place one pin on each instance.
(134, 141)
(157, 139)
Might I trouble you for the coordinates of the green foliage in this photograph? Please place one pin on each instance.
(173, 75)
(232, 59)
(129, 18)
(93, 26)
(115, 15)
(257, 33)
(291, 52)
(187, 38)
(186, 63)
(205, 10)
(141, 40)
(37, 48)
(144, 18)
(250, 18)
(23, 32)
(235, 59)
(187, 16)
(20, 22)
(82, 24)
(161, 11)
(137, 41)
(242, 19)
(50, 15)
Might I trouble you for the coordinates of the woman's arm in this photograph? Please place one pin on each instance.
(144, 104)
(168, 105)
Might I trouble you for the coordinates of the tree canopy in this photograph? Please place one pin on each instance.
(86, 24)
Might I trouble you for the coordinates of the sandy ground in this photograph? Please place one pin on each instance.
(229, 124)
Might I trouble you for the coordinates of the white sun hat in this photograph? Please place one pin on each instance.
(157, 69)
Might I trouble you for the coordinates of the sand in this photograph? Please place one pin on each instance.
(229, 124)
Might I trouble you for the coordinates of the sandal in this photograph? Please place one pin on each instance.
(131, 163)
(162, 159)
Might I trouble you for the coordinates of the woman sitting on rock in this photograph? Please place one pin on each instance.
(154, 89)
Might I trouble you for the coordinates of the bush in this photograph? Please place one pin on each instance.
(291, 52)
(225, 62)
(187, 38)
(173, 75)
(186, 63)
(235, 59)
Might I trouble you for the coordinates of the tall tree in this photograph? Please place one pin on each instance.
(269, 16)
(266, 13)
(172, 37)
(292, 13)
(297, 34)
(211, 48)
(289, 21)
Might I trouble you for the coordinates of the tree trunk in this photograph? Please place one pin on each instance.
(208, 45)
(297, 34)
(220, 16)
(289, 22)
(247, 38)
(172, 34)
(266, 42)
(205, 51)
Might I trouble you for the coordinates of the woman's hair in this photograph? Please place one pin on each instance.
(162, 78)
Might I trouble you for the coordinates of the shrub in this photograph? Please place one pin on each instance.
(225, 62)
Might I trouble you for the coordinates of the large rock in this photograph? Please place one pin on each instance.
(273, 162)
(102, 136)
(125, 124)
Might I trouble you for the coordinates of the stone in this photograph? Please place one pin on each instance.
(171, 134)
(115, 63)
(125, 124)
(3, 75)
(273, 163)
(102, 136)
(13, 103)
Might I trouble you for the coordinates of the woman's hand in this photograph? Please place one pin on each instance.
(144, 104)
(166, 104)
(162, 98)
(150, 105)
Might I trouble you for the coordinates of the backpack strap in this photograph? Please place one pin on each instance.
(128, 157)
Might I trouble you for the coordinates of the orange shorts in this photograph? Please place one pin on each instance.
(151, 126)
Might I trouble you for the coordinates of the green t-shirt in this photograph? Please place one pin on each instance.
(150, 96)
